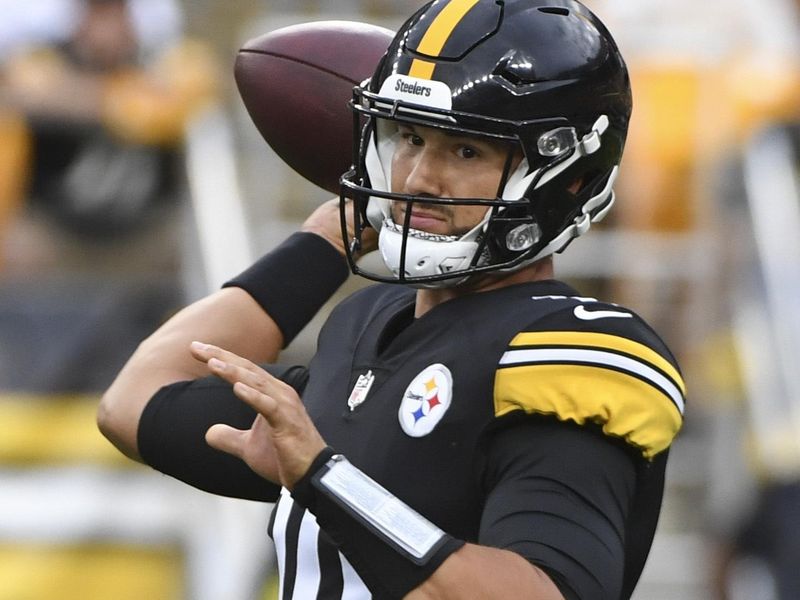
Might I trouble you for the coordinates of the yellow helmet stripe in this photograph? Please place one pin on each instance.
(434, 39)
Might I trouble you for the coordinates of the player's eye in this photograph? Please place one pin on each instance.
(410, 136)
(467, 152)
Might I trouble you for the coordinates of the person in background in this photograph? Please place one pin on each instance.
(98, 112)
(95, 100)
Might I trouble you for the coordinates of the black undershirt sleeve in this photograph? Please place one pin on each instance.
(559, 495)
(171, 435)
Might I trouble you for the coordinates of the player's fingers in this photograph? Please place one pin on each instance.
(252, 376)
(277, 401)
(205, 352)
(262, 403)
(227, 439)
(233, 368)
(284, 418)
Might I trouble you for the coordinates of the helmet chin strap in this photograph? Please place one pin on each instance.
(426, 254)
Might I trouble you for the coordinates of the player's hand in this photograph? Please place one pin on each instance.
(282, 442)
(326, 222)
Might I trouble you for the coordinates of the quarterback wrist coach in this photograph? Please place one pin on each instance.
(392, 547)
(293, 281)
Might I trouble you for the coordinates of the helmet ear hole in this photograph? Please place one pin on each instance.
(576, 186)
(593, 183)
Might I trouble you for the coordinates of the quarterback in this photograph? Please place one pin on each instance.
(469, 427)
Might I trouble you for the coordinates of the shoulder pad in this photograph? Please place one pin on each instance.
(592, 362)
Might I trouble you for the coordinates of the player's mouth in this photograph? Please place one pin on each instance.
(425, 219)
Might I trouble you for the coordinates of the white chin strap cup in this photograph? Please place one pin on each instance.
(424, 257)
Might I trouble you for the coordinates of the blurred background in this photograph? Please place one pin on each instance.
(133, 182)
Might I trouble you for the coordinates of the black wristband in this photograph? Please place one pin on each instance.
(293, 281)
(389, 565)
(303, 491)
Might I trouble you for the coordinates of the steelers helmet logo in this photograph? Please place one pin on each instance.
(426, 400)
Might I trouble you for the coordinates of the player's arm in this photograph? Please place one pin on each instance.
(256, 315)
(172, 435)
(231, 316)
(476, 571)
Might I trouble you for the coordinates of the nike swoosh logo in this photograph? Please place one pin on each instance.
(590, 315)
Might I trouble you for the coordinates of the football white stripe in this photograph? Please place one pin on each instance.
(279, 533)
(308, 575)
(596, 358)
(307, 581)
(354, 588)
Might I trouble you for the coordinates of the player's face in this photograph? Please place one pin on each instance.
(439, 164)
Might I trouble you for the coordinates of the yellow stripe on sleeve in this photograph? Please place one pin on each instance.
(435, 38)
(625, 407)
(601, 341)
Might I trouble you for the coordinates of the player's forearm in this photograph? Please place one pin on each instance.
(254, 316)
(480, 572)
(229, 317)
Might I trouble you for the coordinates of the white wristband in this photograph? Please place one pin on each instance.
(375, 506)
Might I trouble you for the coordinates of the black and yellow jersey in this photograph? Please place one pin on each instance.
(525, 418)
(415, 402)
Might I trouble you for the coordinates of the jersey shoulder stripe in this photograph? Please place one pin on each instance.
(633, 391)
(614, 348)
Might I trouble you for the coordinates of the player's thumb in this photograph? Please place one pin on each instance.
(226, 439)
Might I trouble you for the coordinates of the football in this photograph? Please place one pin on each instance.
(296, 83)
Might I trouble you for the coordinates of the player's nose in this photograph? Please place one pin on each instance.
(426, 176)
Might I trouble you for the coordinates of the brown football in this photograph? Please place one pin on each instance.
(296, 83)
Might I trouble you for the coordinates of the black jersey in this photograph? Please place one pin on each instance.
(525, 418)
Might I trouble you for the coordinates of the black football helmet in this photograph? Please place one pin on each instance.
(545, 76)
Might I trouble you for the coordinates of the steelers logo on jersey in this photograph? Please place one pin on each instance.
(426, 400)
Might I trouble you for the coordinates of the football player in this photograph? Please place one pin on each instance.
(480, 430)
